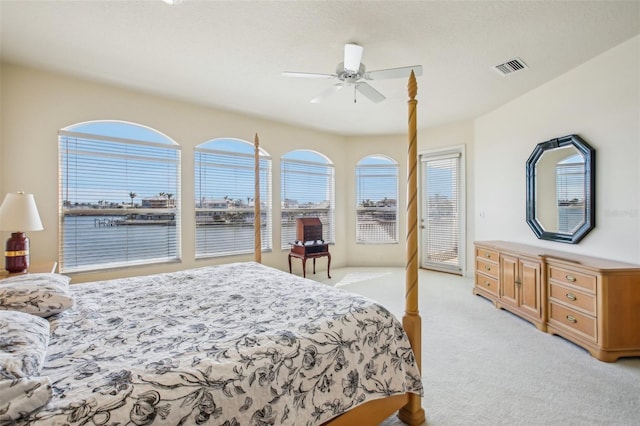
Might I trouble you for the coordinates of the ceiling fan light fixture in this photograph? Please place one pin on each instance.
(352, 57)
(351, 71)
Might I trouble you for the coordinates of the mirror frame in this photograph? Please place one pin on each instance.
(590, 189)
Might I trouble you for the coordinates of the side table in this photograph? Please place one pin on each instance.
(310, 251)
(42, 267)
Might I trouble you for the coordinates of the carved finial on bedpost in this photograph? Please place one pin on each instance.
(412, 413)
(412, 87)
(257, 219)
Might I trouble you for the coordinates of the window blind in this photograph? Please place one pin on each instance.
(119, 202)
(441, 219)
(570, 184)
(307, 190)
(376, 201)
(224, 200)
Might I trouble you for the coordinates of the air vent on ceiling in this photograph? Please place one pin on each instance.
(511, 66)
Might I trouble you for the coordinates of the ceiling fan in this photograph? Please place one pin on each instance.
(351, 73)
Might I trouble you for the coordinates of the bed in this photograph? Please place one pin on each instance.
(235, 344)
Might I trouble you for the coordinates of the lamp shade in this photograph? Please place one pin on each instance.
(19, 213)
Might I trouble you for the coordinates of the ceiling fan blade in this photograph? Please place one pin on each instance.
(330, 91)
(352, 57)
(402, 72)
(370, 92)
(307, 74)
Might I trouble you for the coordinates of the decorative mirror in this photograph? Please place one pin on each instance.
(561, 189)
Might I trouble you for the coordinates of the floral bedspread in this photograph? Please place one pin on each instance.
(236, 344)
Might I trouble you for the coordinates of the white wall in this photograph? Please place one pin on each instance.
(36, 104)
(453, 135)
(395, 147)
(599, 101)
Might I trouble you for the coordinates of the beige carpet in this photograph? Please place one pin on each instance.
(484, 366)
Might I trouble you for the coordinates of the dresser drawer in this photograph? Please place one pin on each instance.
(577, 299)
(487, 283)
(585, 325)
(486, 254)
(487, 268)
(566, 276)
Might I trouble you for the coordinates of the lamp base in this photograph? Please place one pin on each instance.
(17, 253)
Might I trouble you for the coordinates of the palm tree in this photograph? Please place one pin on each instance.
(132, 195)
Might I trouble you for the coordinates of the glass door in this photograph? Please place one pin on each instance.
(442, 218)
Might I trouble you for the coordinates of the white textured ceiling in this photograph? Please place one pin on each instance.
(231, 55)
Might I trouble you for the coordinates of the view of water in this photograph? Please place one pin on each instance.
(86, 242)
(94, 242)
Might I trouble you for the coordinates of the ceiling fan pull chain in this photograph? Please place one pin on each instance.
(354, 93)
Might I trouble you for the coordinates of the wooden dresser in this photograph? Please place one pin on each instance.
(592, 302)
(512, 279)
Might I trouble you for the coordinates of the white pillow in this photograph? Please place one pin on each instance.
(23, 344)
(23, 347)
(38, 294)
(39, 278)
(22, 396)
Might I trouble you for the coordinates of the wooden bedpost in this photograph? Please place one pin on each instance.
(412, 413)
(257, 222)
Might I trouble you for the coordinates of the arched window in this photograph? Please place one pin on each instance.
(307, 185)
(119, 196)
(376, 200)
(224, 198)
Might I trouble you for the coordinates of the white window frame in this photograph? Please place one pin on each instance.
(295, 177)
(224, 230)
(570, 198)
(95, 155)
(443, 153)
(377, 221)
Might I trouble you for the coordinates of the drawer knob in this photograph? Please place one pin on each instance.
(488, 268)
(570, 278)
(487, 255)
(571, 297)
(487, 283)
(572, 319)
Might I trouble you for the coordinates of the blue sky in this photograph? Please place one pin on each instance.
(114, 184)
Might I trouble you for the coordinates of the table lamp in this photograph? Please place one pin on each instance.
(18, 211)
